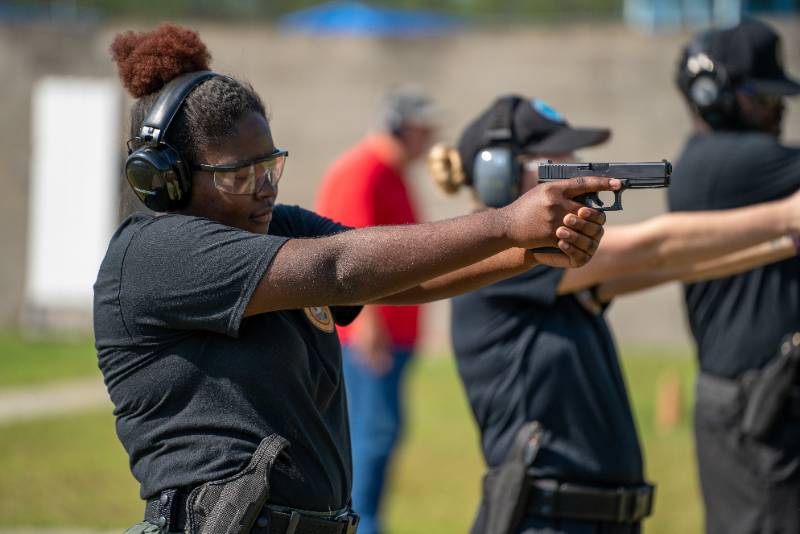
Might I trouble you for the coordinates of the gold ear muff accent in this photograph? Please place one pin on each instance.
(444, 164)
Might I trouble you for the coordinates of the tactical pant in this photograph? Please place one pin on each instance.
(749, 486)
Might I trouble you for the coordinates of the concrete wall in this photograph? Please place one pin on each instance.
(322, 94)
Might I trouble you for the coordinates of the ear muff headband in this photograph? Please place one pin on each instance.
(158, 174)
(707, 84)
(496, 170)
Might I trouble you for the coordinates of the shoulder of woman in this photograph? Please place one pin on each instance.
(295, 221)
(176, 230)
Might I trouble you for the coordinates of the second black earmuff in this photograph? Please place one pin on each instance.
(495, 176)
(496, 170)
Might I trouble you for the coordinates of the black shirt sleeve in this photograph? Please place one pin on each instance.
(294, 221)
(190, 273)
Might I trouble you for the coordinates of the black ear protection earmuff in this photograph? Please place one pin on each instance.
(496, 171)
(158, 174)
(707, 84)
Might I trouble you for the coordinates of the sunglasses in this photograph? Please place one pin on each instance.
(247, 177)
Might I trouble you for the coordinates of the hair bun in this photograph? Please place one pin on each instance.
(146, 61)
(444, 163)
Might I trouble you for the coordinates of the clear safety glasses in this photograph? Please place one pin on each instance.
(247, 177)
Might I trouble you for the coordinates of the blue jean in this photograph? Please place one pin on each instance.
(376, 422)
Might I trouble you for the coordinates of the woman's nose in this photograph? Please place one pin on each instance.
(266, 190)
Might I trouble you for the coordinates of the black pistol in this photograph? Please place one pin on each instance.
(644, 175)
(639, 175)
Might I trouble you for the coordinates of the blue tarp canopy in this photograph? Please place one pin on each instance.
(355, 18)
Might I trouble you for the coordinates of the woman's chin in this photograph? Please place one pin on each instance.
(260, 225)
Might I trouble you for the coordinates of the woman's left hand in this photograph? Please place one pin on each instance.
(580, 236)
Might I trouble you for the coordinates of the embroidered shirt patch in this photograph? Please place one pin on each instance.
(321, 317)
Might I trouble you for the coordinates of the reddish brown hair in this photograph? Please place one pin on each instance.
(146, 61)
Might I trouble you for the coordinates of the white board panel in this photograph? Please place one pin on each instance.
(73, 200)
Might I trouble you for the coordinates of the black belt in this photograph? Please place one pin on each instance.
(554, 499)
(168, 511)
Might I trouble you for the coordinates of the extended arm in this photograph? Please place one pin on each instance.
(680, 240)
(729, 265)
(367, 264)
(498, 267)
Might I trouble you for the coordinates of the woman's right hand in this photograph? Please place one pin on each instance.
(546, 216)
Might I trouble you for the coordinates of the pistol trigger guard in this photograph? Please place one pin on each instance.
(594, 201)
(617, 206)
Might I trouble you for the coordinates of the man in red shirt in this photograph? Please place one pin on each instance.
(366, 187)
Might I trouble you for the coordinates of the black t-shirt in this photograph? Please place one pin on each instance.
(739, 321)
(524, 354)
(196, 386)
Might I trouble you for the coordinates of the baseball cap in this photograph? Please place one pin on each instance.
(535, 128)
(752, 54)
(408, 104)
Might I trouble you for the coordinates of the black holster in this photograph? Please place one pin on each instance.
(768, 390)
(505, 488)
(232, 505)
(755, 402)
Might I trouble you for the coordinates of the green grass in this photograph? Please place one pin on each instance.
(69, 471)
(72, 471)
(669, 455)
(26, 362)
(436, 479)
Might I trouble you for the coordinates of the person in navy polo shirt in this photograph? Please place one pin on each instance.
(534, 351)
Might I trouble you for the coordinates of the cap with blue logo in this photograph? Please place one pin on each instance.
(540, 129)
(533, 126)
